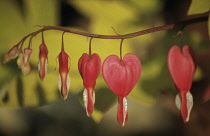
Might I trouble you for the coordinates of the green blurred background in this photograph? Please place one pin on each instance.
(31, 107)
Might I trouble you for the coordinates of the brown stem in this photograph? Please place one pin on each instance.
(179, 25)
(62, 45)
(21, 44)
(90, 49)
(43, 42)
(121, 49)
(115, 31)
(30, 42)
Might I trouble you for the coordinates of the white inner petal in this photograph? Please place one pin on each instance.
(46, 66)
(85, 98)
(68, 82)
(189, 104)
(59, 82)
(125, 109)
(178, 102)
(25, 58)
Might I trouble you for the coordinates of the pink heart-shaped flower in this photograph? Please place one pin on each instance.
(182, 69)
(121, 76)
(89, 67)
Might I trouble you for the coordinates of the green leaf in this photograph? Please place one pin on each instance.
(199, 6)
(41, 12)
(11, 24)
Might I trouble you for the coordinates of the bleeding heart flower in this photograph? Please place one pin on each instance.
(182, 69)
(89, 67)
(121, 76)
(64, 80)
(26, 68)
(42, 66)
(12, 53)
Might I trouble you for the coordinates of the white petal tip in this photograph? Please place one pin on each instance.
(189, 104)
(64, 98)
(189, 99)
(85, 98)
(178, 102)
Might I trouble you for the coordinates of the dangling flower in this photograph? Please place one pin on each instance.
(43, 52)
(121, 76)
(182, 69)
(12, 54)
(89, 67)
(42, 66)
(20, 59)
(64, 80)
(26, 68)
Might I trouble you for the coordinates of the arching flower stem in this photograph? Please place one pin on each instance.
(180, 26)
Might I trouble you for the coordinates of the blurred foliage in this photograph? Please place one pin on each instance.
(124, 16)
(198, 7)
(209, 25)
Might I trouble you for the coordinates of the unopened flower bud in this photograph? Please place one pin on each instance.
(12, 53)
(20, 59)
(42, 66)
(26, 66)
(64, 80)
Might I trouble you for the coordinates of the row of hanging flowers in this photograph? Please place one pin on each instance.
(120, 74)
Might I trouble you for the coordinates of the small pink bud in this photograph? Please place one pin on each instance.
(20, 59)
(64, 80)
(89, 67)
(42, 66)
(182, 69)
(121, 76)
(12, 54)
(26, 66)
